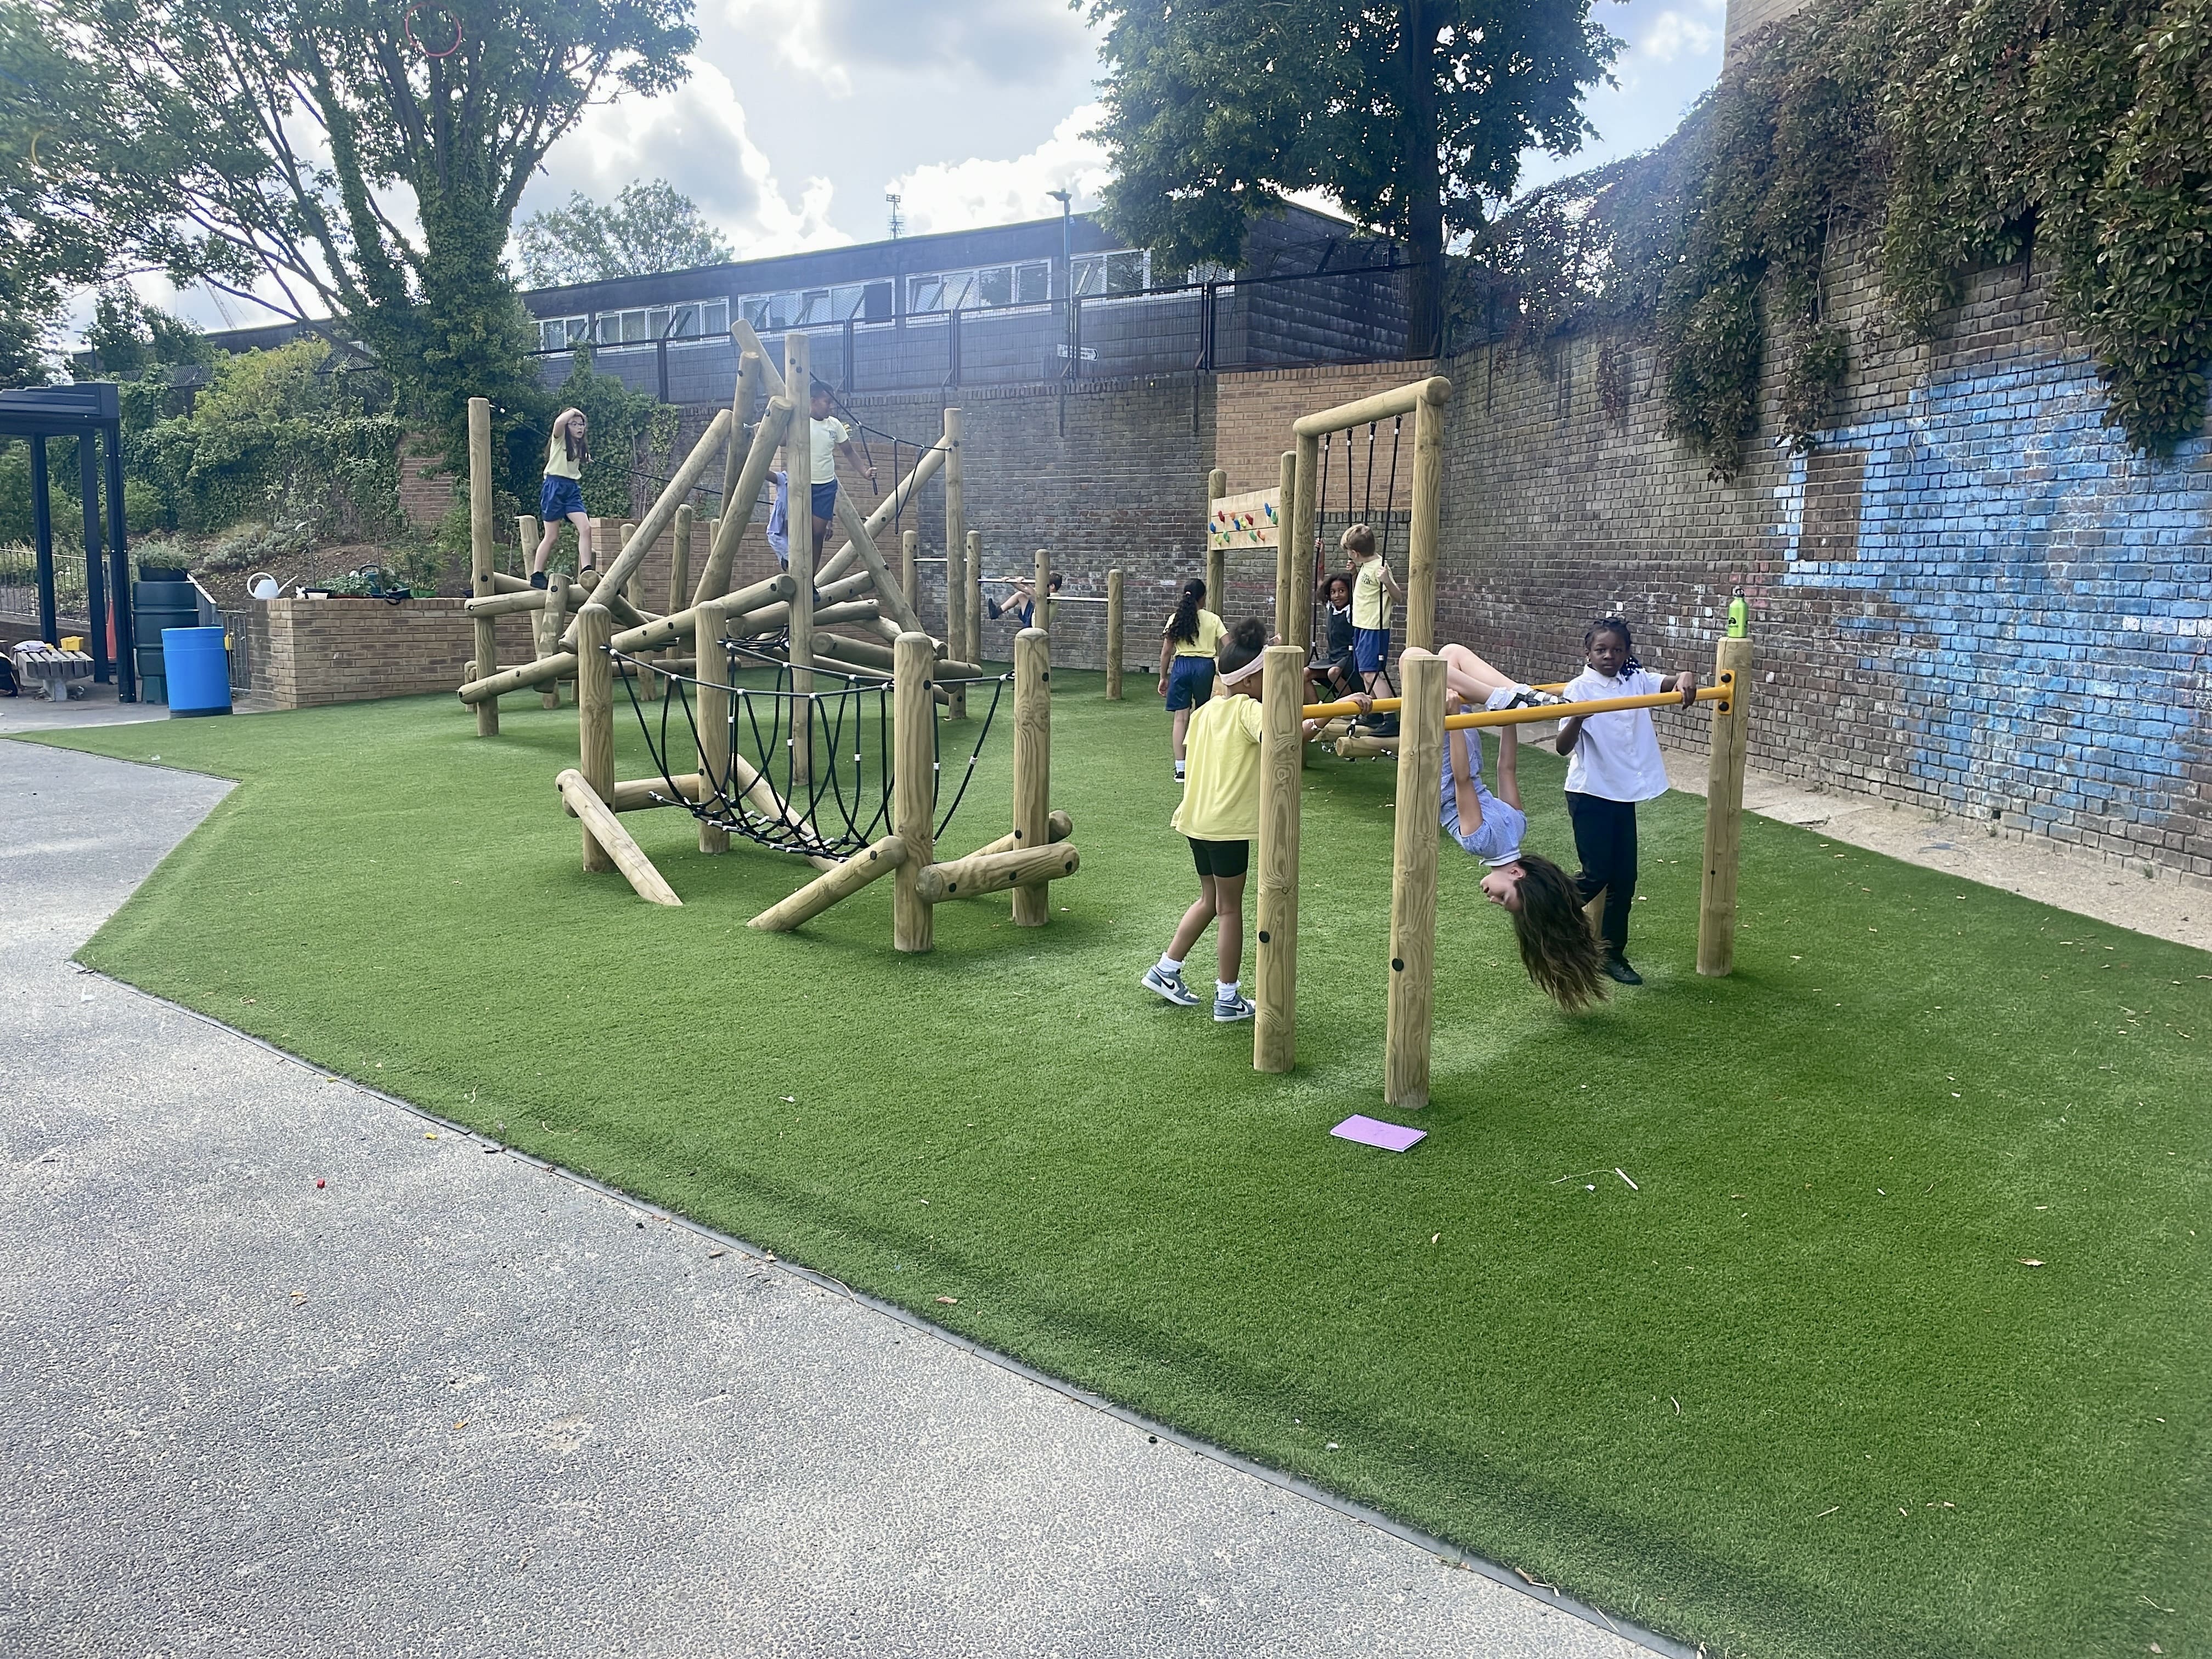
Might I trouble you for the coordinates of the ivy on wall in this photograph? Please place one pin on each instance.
(1960, 134)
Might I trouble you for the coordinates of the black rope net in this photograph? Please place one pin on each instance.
(840, 800)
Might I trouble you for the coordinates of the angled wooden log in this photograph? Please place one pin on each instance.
(629, 857)
(737, 506)
(637, 541)
(505, 605)
(1057, 828)
(993, 873)
(888, 591)
(643, 794)
(870, 864)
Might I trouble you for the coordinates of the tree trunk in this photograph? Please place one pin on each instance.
(1424, 179)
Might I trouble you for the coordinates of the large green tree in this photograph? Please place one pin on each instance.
(1413, 114)
(356, 164)
(647, 227)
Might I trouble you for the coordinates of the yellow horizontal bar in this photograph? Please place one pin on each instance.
(1555, 711)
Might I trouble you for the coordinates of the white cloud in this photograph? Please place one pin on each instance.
(1672, 34)
(981, 191)
(995, 42)
(695, 138)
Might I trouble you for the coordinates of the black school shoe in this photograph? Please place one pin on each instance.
(1617, 970)
(538, 579)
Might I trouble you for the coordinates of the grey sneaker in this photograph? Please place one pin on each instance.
(1227, 1011)
(1162, 983)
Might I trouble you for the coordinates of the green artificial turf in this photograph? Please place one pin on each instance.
(1796, 1392)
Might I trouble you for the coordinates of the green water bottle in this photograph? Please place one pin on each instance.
(1739, 620)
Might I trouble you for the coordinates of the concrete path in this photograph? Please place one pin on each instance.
(285, 1368)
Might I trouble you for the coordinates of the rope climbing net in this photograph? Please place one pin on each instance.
(833, 803)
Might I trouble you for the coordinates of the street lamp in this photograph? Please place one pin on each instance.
(1066, 200)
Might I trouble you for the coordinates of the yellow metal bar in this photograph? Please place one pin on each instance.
(1559, 711)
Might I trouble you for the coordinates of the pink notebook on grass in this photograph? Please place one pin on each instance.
(1370, 1131)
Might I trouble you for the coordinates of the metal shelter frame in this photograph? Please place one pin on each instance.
(88, 412)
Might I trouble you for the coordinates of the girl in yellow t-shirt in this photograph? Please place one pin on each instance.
(1186, 646)
(1220, 816)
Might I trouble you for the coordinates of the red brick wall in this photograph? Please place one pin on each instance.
(311, 651)
(427, 492)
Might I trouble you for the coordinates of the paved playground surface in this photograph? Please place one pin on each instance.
(447, 1401)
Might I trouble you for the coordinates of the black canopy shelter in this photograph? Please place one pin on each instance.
(92, 413)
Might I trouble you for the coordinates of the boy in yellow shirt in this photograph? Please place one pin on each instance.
(1220, 816)
(1373, 588)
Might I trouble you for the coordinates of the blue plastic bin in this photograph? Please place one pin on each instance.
(198, 670)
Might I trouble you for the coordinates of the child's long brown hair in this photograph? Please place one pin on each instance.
(578, 446)
(1557, 947)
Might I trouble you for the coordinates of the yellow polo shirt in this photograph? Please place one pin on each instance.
(1210, 630)
(1221, 788)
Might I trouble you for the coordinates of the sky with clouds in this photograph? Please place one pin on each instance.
(800, 114)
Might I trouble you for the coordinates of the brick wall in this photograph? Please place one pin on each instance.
(1971, 597)
(426, 491)
(310, 652)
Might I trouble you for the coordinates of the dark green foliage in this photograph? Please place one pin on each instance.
(1413, 114)
(1702, 1403)
(1959, 133)
(647, 227)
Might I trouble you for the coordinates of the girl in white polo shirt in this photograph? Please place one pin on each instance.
(1613, 763)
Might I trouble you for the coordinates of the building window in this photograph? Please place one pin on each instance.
(1129, 271)
(559, 333)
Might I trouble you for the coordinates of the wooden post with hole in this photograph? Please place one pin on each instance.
(1422, 543)
(1294, 549)
(679, 561)
(480, 557)
(1406, 1044)
(959, 645)
(1113, 643)
(1731, 738)
(974, 601)
(710, 627)
(595, 716)
(799, 469)
(1041, 612)
(909, 566)
(1275, 961)
(914, 788)
(1217, 558)
(552, 621)
(1032, 764)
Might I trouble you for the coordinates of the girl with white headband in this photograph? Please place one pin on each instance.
(1220, 816)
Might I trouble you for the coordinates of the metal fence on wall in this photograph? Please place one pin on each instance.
(1271, 322)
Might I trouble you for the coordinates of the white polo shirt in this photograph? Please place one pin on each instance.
(1617, 756)
(828, 434)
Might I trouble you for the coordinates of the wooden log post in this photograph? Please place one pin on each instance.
(913, 789)
(1406, 1044)
(1217, 558)
(480, 557)
(742, 399)
(679, 561)
(1731, 741)
(956, 641)
(595, 718)
(1041, 615)
(798, 467)
(1294, 544)
(909, 568)
(1114, 642)
(1057, 828)
(975, 595)
(1423, 543)
(711, 625)
(603, 828)
(648, 682)
(869, 864)
(552, 621)
(1032, 763)
(1275, 963)
(737, 506)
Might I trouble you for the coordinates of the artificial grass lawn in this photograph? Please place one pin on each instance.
(1795, 1393)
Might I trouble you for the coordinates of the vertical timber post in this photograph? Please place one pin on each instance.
(1731, 741)
(1032, 765)
(1406, 1044)
(480, 556)
(552, 623)
(1275, 963)
(1041, 615)
(1422, 545)
(960, 646)
(1294, 538)
(595, 717)
(710, 626)
(799, 472)
(975, 601)
(914, 788)
(1114, 644)
(1217, 558)
(909, 570)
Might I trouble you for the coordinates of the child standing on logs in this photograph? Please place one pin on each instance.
(561, 495)
(829, 438)
(1186, 646)
(1613, 763)
(1220, 817)
(1373, 588)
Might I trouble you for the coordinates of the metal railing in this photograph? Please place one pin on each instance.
(1359, 315)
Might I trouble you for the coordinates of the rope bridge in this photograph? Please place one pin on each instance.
(834, 806)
